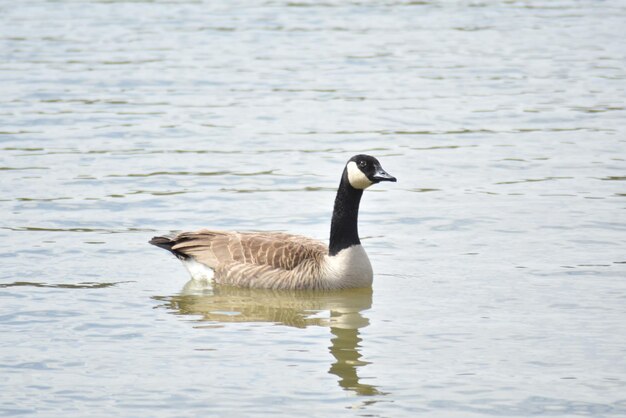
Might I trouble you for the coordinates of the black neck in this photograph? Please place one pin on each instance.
(344, 231)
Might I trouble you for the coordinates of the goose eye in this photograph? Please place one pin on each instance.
(362, 163)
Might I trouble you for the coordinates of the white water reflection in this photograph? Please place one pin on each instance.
(343, 312)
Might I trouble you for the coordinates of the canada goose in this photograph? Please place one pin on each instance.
(275, 260)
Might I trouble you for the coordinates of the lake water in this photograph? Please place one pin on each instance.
(499, 256)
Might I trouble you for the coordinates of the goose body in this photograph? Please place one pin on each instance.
(276, 260)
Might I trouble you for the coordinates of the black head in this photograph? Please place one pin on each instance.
(364, 170)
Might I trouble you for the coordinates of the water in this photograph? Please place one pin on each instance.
(499, 257)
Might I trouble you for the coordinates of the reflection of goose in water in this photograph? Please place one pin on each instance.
(292, 308)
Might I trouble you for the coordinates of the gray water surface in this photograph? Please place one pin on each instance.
(499, 256)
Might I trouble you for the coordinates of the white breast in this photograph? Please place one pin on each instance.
(349, 268)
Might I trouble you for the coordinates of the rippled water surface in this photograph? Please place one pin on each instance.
(499, 256)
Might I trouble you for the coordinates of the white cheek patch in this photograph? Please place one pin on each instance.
(357, 179)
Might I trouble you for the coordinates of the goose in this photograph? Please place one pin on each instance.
(277, 260)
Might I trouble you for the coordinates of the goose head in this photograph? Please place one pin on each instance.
(364, 170)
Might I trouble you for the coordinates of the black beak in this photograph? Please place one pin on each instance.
(382, 175)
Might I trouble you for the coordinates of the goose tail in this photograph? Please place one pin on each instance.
(167, 242)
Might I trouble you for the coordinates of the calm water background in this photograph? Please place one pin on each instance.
(499, 256)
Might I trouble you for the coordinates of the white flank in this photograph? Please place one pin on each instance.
(198, 271)
(349, 268)
(356, 177)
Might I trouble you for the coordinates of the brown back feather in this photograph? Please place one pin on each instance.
(273, 249)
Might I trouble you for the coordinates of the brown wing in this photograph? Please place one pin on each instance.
(273, 249)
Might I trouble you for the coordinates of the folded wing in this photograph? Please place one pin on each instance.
(272, 249)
